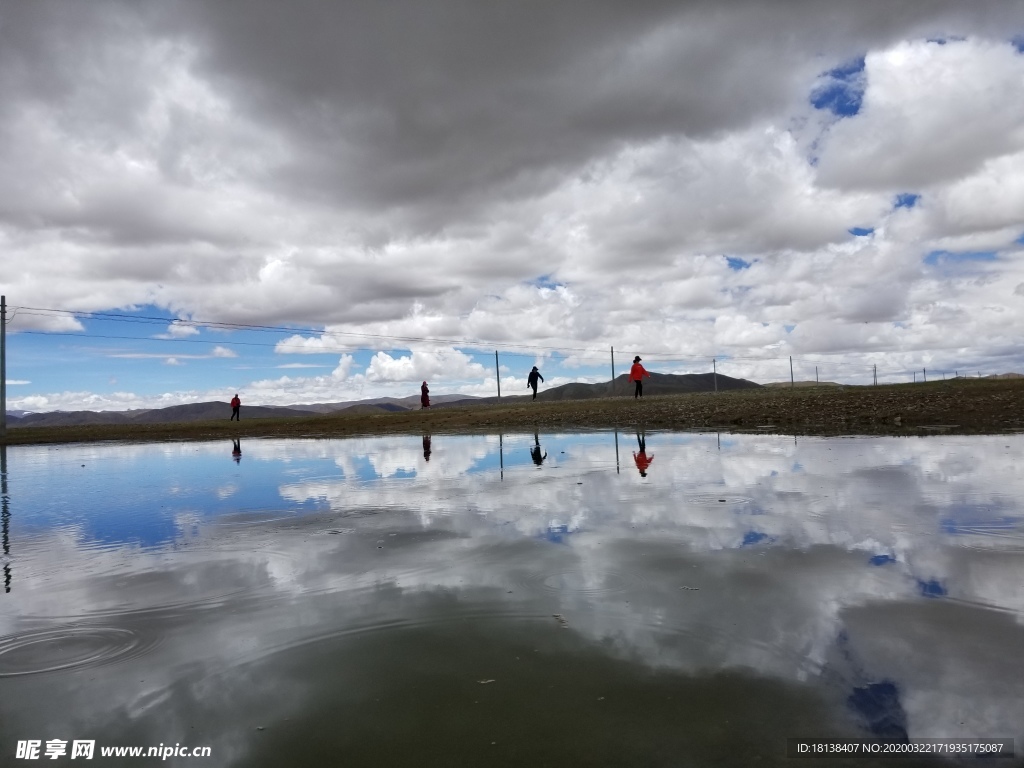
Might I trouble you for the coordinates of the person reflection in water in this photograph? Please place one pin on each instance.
(236, 450)
(424, 396)
(535, 451)
(643, 461)
(426, 447)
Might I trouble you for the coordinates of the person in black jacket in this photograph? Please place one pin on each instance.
(531, 380)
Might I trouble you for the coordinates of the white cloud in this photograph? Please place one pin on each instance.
(423, 364)
(931, 114)
(307, 345)
(180, 330)
(344, 367)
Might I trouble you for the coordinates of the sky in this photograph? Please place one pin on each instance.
(318, 202)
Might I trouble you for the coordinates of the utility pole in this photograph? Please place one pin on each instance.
(714, 369)
(3, 367)
(497, 373)
(815, 374)
(924, 375)
(874, 369)
(613, 366)
(792, 382)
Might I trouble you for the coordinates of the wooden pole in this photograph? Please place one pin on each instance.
(3, 367)
(613, 365)
(714, 368)
(497, 373)
(792, 381)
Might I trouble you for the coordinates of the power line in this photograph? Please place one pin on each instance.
(117, 317)
(591, 353)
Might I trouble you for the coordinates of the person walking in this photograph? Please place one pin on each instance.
(236, 404)
(636, 375)
(531, 380)
(424, 396)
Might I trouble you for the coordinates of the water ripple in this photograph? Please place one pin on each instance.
(68, 647)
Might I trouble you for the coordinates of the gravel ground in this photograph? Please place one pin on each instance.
(962, 406)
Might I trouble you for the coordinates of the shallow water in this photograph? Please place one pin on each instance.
(394, 601)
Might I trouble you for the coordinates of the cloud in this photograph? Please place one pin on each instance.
(567, 178)
(423, 364)
(179, 330)
(306, 345)
(918, 126)
(217, 353)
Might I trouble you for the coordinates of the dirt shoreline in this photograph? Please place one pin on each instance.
(961, 406)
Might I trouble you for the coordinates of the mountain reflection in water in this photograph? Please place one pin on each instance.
(513, 600)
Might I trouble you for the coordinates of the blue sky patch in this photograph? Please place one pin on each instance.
(861, 231)
(842, 89)
(931, 588)
(737, 264)
(882, 559)
(936, 258)
(1018, 43)
(880, 707)
(906, 200)
(545, 281)
(750, 538)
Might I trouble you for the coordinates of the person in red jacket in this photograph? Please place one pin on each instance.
(636, 374)
(424, 396)
(643, 461)
(235, 405)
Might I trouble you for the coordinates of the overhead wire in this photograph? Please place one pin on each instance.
(576, 353)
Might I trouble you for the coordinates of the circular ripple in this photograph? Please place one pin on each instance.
(50, 650)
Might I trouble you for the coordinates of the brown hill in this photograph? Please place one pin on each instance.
(658, 384)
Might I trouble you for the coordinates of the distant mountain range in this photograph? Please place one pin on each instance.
(658, 384)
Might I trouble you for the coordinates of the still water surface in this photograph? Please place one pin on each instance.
(517, 600)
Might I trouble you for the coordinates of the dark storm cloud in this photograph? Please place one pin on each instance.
(429, 111)
(433, 105)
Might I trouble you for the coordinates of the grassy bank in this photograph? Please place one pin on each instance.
(965, 406)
